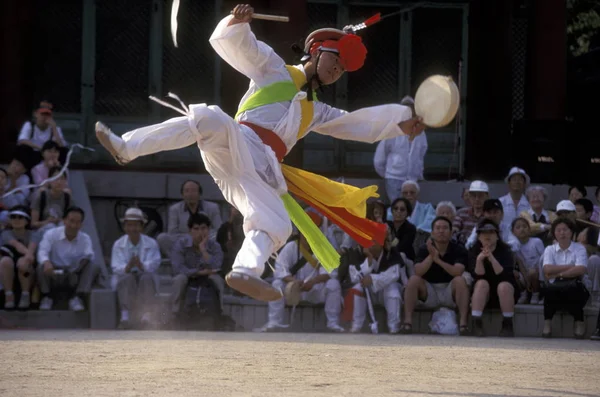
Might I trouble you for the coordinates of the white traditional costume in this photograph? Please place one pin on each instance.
(243, 155)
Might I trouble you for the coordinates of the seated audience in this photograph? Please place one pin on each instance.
(576, 192)
(468, 217)
(491, 264)
(50, 205)
(401, 228)
(297, 264)
(17, 178)
(33, 135)
(448, 210)
(515, 201)
(231, 236)
(50, 156)
(179, 213)
(465, 197)
(7, 202)
(135, 259)
(539, 218)
(588, 235)
(492, 210)
(439, 280)
(197, 258)
(565, 264)
(596, 215)
(378, 275)
(65, 256)
(530, 252)
(17, 255)
(422, 213)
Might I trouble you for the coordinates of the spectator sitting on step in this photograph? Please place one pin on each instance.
(377, 211)
(17, 178)
(50, 159)
(515, 201)
(530, 253)
(448, 210)
(596, 215)
(400, 159)
(135, 259)
(231, 236)
(576, 192)
(539, 218)
(492, 210)
(33, 136)
(468, 217)
(422, 213)
(297, 264)
(7, 202)
(466, 197)
(179, 213)
(565, 266)
(196, 256)
(65, 256)
(50, 205)
(379, 274)
(438, 280)
(588, 236)
(492, 264)
(401, 228)
(567, 209)
(17, 254)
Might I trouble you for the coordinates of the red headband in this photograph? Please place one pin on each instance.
(350, 49)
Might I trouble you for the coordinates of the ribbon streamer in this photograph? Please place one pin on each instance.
(174, 12)
(55, 177)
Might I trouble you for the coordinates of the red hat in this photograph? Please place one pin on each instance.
(349, 47)
(45, 108)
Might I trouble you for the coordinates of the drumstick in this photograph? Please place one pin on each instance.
(588, 222)
(267, 17)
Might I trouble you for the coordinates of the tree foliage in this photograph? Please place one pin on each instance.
(583, 25)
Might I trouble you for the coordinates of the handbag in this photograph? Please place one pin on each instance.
(563, 285)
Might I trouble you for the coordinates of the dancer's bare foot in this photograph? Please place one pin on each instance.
(108, 139)
(253, 286)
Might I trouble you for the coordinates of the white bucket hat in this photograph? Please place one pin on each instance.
(479, 186)
(134, 214)
(565, 205)
(515, 171)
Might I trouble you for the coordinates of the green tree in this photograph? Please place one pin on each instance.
(583, 24)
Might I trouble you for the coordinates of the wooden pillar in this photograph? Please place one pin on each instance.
(547, 61)
(16, 49)
(489, 92)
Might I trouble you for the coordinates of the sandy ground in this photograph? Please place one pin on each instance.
(137, 363)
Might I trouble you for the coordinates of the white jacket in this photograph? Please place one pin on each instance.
(149, 254)
(397, 158)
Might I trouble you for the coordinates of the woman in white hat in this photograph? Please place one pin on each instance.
(243, 154)
(17, 256)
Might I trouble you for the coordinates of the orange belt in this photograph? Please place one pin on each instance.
(269, 138)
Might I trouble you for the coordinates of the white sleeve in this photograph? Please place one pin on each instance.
(286, 259)
(369, 124)
(581, 257)
(60, 133)
(45, 247)
(153, 259)
(26, 132)
(88, 250)
(548, 257)
(379, 160)
(238, 46)
(118, 260)
(539, 246)
(472, 239)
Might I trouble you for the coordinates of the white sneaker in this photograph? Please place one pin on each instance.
(111, 142)
(76, 305)
(522, 298)
(535, 298)
(25, 301)
(335, 328)
(272, 327)
(46, 303)
(9, 300)
(541, 302)
(146, 319)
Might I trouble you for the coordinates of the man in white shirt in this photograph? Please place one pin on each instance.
(65, 255)
(400, 159)
(515, 201)
(33, 135)
(134, 261)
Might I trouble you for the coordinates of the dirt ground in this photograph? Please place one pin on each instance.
(137, 363)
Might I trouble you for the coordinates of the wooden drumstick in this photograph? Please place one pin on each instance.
(267, 17)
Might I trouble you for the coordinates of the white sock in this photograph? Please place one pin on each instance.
(476, 313)
(25, 293)
(8, 293)
(508, 314)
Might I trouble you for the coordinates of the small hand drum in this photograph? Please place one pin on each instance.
(437, 101)
(292, 293)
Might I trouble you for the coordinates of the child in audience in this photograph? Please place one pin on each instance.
(528, 258)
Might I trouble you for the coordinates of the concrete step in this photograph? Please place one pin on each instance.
(55, 319)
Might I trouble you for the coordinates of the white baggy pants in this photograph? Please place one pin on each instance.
(389, 296)
(329, 292)
(246, 171)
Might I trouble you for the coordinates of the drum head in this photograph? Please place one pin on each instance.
(292, 293)
(437, 101)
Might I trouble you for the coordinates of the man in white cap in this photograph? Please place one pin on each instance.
(467, 217)
(243, 154)
(567, 209)
(400, 159)
(134, 261)
(515, 201)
